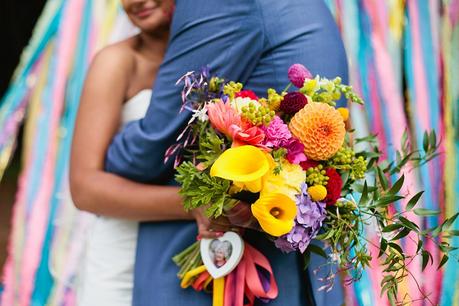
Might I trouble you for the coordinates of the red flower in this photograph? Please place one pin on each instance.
(309, 164)
(293, 102)
(246, 94)
(334, 186)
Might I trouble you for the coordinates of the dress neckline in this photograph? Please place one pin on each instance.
(138, 94)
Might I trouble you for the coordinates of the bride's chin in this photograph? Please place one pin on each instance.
(157, 29)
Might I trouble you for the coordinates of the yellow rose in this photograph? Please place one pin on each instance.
(288, 181)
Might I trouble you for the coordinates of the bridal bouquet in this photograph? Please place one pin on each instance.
(288, 165)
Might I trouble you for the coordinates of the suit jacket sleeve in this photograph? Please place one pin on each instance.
(229, 39)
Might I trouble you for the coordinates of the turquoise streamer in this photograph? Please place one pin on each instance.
(44, 279)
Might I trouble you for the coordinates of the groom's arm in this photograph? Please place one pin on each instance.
(227, 36)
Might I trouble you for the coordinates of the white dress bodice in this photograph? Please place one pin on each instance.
(136, 107)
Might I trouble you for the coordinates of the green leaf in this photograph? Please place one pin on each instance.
(404, 232)
(425, 212)
(327, 235)
(370, 138)
(317, 250)
(448, 222)
(397, 247)
(404, 139)
(414, 200)
(364, 198)
(382, 178)
(444, 259)
(382, 247)
(392, 227)
(425, 259)
(453, 232)
(433, 139)
(398, 185)
(386, 200)
(425, 141)
(359, 188)
(419, 246)
(391, 297)
(408, 223)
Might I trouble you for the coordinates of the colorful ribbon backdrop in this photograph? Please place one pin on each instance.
(404, 59)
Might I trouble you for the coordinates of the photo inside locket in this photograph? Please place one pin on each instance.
(220, 252)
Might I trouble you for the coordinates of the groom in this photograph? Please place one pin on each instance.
(251, 41)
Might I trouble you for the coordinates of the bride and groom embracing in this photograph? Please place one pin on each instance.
(124, 128)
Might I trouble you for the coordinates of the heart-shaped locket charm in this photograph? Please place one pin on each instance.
(222, 255)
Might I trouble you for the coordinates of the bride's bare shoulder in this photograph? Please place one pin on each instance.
(114, 63)
(119, 55)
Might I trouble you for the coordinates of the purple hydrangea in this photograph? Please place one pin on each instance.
(308, 222)
(297, 73)
(276, 133)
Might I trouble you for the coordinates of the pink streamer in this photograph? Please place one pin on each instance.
(39, 214)
(422, 114)
(390, 92)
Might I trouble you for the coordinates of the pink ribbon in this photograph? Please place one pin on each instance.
(248, 281)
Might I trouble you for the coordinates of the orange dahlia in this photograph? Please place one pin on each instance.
(320, 128)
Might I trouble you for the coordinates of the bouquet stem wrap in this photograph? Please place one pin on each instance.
(252, 278)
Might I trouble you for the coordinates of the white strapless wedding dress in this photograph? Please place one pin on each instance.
(107, 273)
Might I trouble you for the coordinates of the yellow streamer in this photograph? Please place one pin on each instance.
(187, 279)
(38, 83)
(219, 291)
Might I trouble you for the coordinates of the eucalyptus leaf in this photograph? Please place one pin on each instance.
(425, 212)
(398, 185)
(414, 200)
(444, 260)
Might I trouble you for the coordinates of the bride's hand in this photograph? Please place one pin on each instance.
(210, 228)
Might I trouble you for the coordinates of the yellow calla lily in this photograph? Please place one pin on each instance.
(244, 165)
(275, 212)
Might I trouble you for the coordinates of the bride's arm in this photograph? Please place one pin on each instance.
(98, 120)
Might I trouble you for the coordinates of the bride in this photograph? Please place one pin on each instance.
(116, 91)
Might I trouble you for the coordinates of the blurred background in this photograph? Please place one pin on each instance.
(404, 60)
(17, 20)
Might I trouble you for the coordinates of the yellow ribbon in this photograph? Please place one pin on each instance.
(219, 291)
(219, 284)
(187, 279)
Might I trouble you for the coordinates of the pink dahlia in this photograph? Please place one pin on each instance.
(297, 73)
(295, 151)
(277, 133)
(222, 117)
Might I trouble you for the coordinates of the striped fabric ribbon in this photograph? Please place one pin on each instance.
(404, 60)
